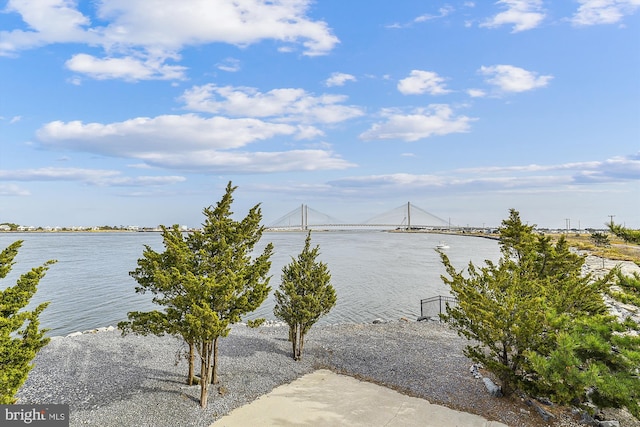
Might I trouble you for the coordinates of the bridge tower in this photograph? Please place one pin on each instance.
(304, 220)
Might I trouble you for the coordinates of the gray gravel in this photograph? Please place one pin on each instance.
(110, 380)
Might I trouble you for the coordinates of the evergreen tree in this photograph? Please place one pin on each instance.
(516, 238)
(594, 358)
(542, 326)
(164, 275)
(305, 295)
(627, 289)
(626, 234)
(205, 281)
(600, 239)
(20, 335)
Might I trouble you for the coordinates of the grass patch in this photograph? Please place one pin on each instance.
(617, 250)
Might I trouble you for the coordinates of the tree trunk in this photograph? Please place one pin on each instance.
(202, 362)
(504, 377)
(214, 376)
(301, 344)
(205, 375)
(192, 360)
(297, 337)
(292, 338)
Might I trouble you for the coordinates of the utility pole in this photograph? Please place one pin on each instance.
(611, 219)
(568, 223)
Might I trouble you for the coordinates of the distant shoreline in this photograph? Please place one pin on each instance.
(267, 230)
(80, 231)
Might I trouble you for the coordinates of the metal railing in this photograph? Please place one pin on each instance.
(434, 306)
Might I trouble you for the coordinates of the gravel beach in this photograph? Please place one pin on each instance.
(110, 380)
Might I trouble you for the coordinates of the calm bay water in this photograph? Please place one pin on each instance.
(376, 274)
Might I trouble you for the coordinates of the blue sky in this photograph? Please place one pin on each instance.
(138, 112)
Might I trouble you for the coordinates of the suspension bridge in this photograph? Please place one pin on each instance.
(408, 217)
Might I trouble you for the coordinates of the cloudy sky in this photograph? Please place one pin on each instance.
(138, 112)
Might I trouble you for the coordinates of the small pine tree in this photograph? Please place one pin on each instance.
(542, 326)
(162, 274)
(626, 234)
(20, 335)
(627, 289)
(205, 281)
(305, 295)
(600, 239)
(594, 355)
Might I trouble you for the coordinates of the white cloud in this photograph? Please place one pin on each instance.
(189, 142)
(522, 14)
(88, 176)
(513, 79)
(442, 12)
(476, 93)
(422, 123)
(136, 137)
(553, 177)
(594, 12)
(284, 105)
(230, 65)
(200, 21)
(49, 21)
(13, 190)
(139, 35)
(618, 169)
(75, 80)
(126, 68)
(392, 180)
(15, 119)
(142, 181)
(339, 79)
(308, 132)
(393, 183)
(420, 82)
(250, 162)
